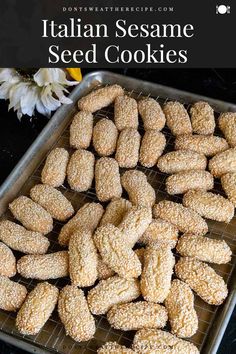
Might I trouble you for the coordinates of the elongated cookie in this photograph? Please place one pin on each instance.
(204, 248)
(31, 215)
(180, 306)
(52, 200)
(227, 123)
(222, 163)
(202, 118)
(209, 205)
(54, 170)
(37, 308)
(80, 170)
(46, 266)
(7, 261)
(177, 118)
(116, 253)
(135, 223)
(181, 160)
(202, 279)
(137, 315)
(139, 190)
(115, 211)
(127, 151)
(125, 112)
(152, 147)
(157, 272)
(160, 232)
(185, 219)
(81, 130)
(19, 239)
(107, 179)
(12, 294)
(152, 115)
(209, 145)
(83, 259)
(182, 182)
(156, 341)
(74, 314)
(100, 98)
(110, 292)
(105, 136)
(87, 217)
(228, 182)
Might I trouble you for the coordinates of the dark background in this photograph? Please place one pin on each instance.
(22, 45)
(16, 136)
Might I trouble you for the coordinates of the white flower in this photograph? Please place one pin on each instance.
(44, 91)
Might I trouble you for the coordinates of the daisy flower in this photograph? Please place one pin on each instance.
(42, 89)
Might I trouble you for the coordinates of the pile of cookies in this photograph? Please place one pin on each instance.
(125, 252)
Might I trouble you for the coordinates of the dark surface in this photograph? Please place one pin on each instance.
(16, 136)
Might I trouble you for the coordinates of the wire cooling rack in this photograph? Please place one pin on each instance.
(52, 337)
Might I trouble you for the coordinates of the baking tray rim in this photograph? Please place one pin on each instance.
(222, 317)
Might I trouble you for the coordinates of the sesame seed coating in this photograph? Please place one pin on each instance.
(81, 130)
(44, 266)
(127, 150)
(227, 123)
(209, 205)
(7, 261)
(54, 170)
(74, 313)
(80, 170)
(19, 239)
(181, 160)
(152, 115)
(116, 253)
(115, 211)
(202, 118)
(157, 272)
(224, 162)
(114, 348)
(137, 315)
(53, 201)
(110, 292)
(104, 271)
(105, 136)
(160, 232)
(202, 279)
(204, 248)
(182, 182)
(209, 145)
(180, 306)
(125, 112)
(83, 259)
(151, 341)
(87, 217)
(12, 294)
(152, 147)
(139, 190)
(31, 215)
(100, 98)
(185, 219)
(37, 308)
(177, 118)
(107, 179)
(228, 182)
(135, 223)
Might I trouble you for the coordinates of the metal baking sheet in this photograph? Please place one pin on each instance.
(52, 338)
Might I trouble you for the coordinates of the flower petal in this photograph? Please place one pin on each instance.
(44, 77)
(58, 90)
(28, 101)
